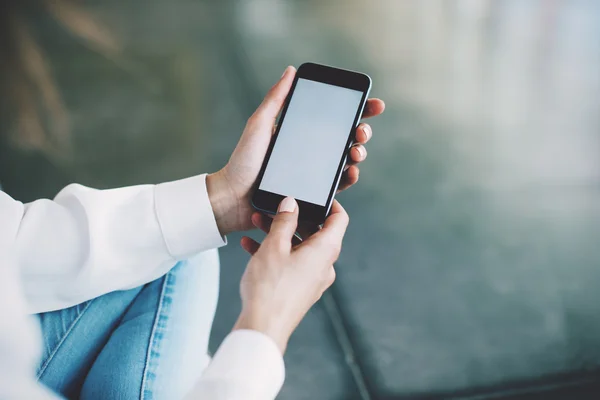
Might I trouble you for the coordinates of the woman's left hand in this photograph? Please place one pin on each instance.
(230, 189)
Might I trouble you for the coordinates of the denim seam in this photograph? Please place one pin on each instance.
(62, 340)
(151, 342)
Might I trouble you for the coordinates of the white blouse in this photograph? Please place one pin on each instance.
(87, 242)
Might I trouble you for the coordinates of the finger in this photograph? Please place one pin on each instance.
(373, 108)
(273, 101)
(349, 178)
(363, 133)
(358, 153)
(331, 235)
(284, 224)
(262, 222)
(250, 245)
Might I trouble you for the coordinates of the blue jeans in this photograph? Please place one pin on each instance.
(147, 343)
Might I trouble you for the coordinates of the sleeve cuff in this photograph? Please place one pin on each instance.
(250, 361)
(186, 217)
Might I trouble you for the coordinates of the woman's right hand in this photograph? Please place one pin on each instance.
(282, 282)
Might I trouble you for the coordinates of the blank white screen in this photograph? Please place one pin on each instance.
(311, 141)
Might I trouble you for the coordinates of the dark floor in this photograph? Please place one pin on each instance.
(471, 268)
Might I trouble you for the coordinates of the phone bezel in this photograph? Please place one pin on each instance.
(267, 201)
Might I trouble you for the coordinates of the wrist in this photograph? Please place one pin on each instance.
(223, 201)
(264, 326)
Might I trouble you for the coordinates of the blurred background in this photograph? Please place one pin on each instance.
(471, 268)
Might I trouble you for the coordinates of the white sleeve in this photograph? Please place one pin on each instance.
(89, 242)
(247, 366)
(20, 341)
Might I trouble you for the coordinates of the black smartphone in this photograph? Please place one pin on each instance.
(308, 151)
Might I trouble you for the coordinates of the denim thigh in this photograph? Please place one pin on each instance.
(146, 343)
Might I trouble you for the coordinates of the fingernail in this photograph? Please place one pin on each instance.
(367, 131)
(287, 205)
(285, 72)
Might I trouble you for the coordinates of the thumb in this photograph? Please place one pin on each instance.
(273, 101)
(284, 223)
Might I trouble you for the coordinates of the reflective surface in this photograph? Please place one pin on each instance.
(472, 261)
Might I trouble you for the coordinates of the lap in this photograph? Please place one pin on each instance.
(148, 342)
(73, 338)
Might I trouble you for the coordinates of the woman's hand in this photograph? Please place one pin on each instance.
(230, 189)
(281, 282)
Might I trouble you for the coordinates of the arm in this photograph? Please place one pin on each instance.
(280, 284)
(89, 242)
(248, 365)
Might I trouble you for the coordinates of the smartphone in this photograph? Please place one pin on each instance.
(308, 151)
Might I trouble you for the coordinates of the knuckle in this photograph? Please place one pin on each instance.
(328, 248)
(271, 93)
(330, 252)
(318, 296)
(271, 100)
(288, 218)
(274, 95)
(284, 221)
(334, 256)
(344, 216)
(255, 119)
(330, 276)
(345, 219)
(277, 99)
(335, 249)
(251, 121)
